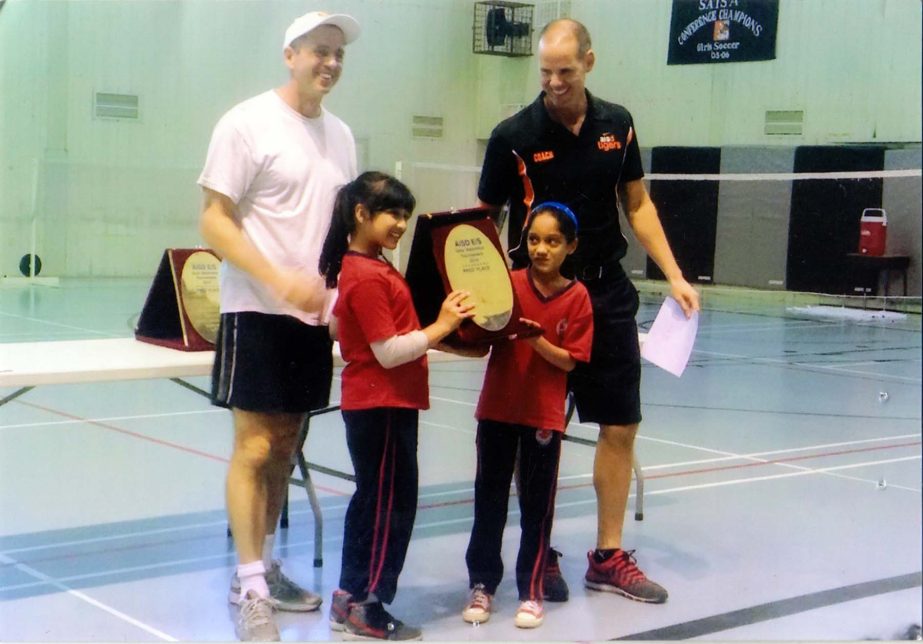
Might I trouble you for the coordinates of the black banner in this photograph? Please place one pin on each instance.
(722, 31)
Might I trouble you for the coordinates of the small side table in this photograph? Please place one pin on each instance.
(875, 265)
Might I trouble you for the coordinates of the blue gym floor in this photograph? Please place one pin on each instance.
(782, 495)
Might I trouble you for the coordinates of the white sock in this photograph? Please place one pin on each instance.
(252, 577)
(269, 545)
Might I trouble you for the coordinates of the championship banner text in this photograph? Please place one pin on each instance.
(722, 31)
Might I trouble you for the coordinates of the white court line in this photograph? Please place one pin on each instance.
(117, 537)
(808, 365)
(755, 459)
(711, 329)
(112, 418)
(755, 455)
(45, 579)
(786, 176)
(130, 569)
(450, 428)
(867, 363)
(57, 324)
(784, 451)
(194, 526)
(728, 176)
(726, 456)
(802, 472)
(858, 372)
(454, 401)
(829, 471)
(431, 524)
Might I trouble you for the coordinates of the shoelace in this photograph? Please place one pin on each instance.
(479, 598)
(552, 562)
(531, 606)
(279, 580)
(627, 568)
(257, 611)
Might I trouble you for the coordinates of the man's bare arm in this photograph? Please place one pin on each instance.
(644, 221)
(221, 230)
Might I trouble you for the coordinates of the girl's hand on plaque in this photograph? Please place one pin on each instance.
(532, 333)
(455, 309)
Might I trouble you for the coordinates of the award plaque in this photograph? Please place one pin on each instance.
(182, 307)
(460, 250)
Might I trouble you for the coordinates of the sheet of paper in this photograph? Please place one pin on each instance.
(669, 342)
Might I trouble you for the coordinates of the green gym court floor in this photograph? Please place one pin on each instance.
(782, 485)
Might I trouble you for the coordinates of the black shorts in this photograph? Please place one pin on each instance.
(271, 363)
(607, 390)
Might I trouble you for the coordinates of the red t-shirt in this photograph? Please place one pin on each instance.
(520, 386)
(374, 304)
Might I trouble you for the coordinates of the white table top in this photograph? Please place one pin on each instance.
(27, 364)
(24, 364)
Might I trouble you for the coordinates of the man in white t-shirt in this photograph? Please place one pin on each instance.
(274, 165)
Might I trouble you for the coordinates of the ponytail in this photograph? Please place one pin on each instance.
(342, 225)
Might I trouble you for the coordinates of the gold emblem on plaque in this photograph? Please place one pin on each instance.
(472, 263)
(199, 293)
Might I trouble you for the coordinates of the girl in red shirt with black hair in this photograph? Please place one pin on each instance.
(521, 409)
(384, 385)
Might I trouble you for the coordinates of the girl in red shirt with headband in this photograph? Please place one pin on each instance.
(521, 409)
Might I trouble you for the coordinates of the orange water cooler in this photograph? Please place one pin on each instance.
(873, 231)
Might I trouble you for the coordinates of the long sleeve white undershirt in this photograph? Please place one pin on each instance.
(400, 349)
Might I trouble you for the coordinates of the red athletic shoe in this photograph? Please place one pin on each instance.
(620, 574)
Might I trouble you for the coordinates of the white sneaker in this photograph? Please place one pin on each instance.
(530, 614)
(478, 609)
(255, 621)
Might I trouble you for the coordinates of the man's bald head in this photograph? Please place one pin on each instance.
(564, 29)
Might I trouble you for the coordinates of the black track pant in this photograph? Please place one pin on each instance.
(539, 453)
(379, 520)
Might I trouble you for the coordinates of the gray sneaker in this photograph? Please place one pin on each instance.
(286, 594)
(339, 609)
(255, 621)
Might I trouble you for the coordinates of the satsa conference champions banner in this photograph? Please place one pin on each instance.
(722, 31)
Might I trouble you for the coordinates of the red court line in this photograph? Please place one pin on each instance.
(578, 486)
(776, 461)
(157, 441)
(470, 500)
(127, 432)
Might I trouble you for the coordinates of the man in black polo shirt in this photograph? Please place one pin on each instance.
(572, 147)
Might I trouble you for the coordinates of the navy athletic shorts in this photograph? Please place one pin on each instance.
(607, 390)
(271, 363)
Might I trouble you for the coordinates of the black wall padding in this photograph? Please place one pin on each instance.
(687, 209)
(824, 220)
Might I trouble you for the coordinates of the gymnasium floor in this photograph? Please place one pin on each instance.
(781, 499)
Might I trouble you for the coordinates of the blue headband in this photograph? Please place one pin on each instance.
(559, 207)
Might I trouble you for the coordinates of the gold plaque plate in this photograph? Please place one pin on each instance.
(472, 263)
(199, 293)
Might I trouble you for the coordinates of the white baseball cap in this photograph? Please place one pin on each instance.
(311, 21)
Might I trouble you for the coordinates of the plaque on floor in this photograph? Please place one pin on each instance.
(182, 306)
(460, 250)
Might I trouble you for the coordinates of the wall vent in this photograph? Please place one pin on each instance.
(115, 106)
(784, 122)
(426, 127)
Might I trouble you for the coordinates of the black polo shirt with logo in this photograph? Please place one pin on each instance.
(531, 159)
